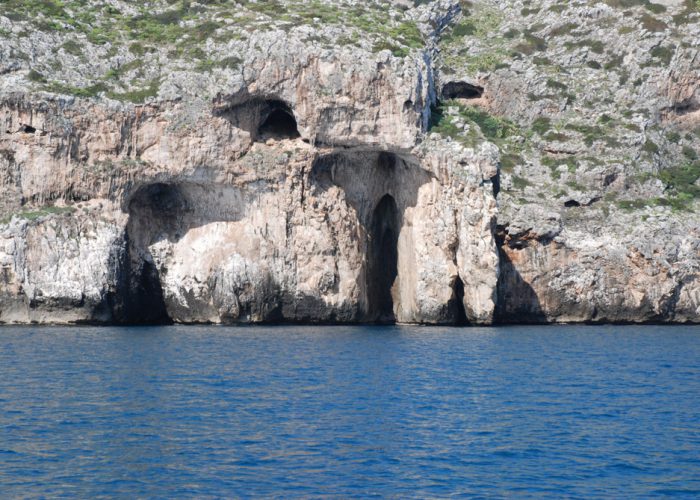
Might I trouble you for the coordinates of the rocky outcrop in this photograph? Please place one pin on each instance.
(287, 173)
(260, 208)
(638, 276)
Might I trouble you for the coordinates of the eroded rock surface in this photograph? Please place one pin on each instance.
(260, 207)
(435, 162)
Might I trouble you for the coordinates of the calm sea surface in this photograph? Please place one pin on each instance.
(350, 412)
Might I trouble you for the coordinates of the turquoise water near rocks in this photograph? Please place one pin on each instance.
(207, 412)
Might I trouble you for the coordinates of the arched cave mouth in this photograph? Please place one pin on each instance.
(378, 186)
(279, 124)
(263, 118)
(382, 269)
(461, 90)
(154, 211)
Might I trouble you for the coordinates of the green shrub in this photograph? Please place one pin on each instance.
(531, 44)
(32, 215)
(442, 124)
(72, 47)
(673, 137)
(629, 205)
(650, 23)
(591, 133)
(650, 147)
(556, 136)
(520, 183)
(689, 153)
(663, 54)
(137, 49)
(509, 161)
(492, 127)
(35, 76)
(463, 28)
(656, 8)
(682, 180)
(553, 84)
(690, 8)
(564, 29)
(541, 125)
(595, 46)
(137, 96)
(86, 92)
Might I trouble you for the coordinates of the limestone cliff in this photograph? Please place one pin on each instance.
(323, 161)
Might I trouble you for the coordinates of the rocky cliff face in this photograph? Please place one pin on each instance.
(414, 162)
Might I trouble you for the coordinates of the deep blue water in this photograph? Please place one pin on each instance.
(350, 412)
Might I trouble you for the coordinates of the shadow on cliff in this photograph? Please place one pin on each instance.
(163, 212)
(517, 300)
(167, 211)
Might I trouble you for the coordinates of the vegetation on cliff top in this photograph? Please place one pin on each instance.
(142, 42)
(580, 80)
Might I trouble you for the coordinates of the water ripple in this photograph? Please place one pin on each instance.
(345, 412)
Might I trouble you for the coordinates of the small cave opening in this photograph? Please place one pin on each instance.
(279, 124)
(27, 129)
(571, 204)
(686, 107)
(456, 305)
(461, 90)
(263, 117)
(382, 268)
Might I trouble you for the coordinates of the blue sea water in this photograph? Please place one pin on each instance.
(397, 412)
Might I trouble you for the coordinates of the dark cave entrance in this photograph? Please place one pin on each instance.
(461, 90)
(153, 214)
(456, 306)
(144, 303)
(383, 256)
(262, 117)
(279, 123)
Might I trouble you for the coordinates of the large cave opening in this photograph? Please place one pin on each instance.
(143, 303)
(382, 268)
(376, 193)
(154, 211)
